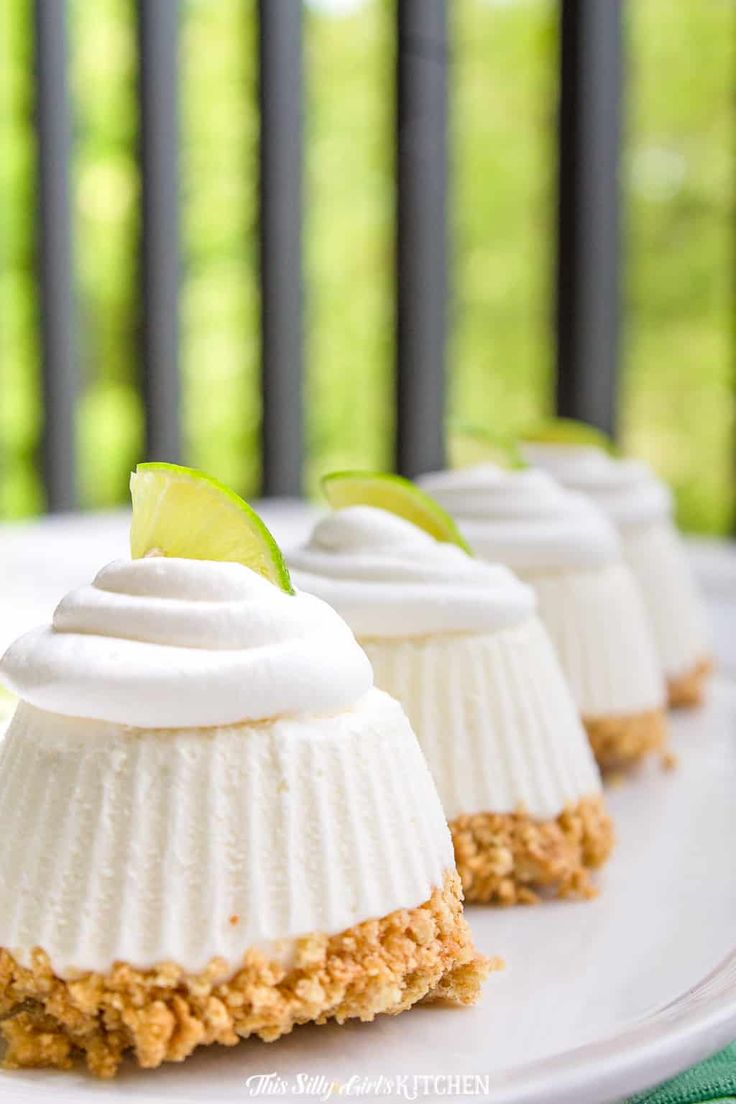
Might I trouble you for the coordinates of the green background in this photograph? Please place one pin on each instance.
(678, 182)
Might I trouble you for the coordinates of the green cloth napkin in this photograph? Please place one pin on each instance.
(712, 1082)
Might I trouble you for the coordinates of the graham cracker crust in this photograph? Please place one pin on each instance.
(513, 859)
(622, 742)
(161, 1015)
(687, 690)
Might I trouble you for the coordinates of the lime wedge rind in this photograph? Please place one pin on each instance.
(397, 495)
(568, 431)
(179, 511)
(474, 444)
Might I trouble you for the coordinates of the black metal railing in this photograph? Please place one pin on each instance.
(587, 231)
(58, 361)
(421, 234)
(588, 211)
(158, 95)
(281, 101)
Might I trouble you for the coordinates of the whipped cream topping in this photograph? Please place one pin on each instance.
(628, 490)
(388, 578)
(167, 643)
(524, 518)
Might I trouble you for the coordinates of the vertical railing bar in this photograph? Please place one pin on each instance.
(588, 210)
(158, 26)
(421, 244)
(56, 276)
(281, 160)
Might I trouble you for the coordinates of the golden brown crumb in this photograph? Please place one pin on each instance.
(509, 858)
(688, 689)
(161, 1015)
(622, 742)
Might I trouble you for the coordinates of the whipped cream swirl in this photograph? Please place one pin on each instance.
(171, 643)
(628, 490)
(524, 518)
(390, 579)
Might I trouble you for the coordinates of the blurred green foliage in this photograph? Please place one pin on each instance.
(679, 408)
(220, 342)
(349, 238)
(106, 191)
(20, 413)
(677, 404)
(503, 115)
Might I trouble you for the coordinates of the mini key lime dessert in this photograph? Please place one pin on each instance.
(568, 551)
(458, 643)
(640, 506)
(214, 826)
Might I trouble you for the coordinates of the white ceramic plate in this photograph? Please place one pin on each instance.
(599, 999)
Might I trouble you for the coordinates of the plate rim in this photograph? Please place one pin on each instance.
(695, 1025)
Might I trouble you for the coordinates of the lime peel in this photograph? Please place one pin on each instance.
(183, 512)
(568, 431)
(397, 495)
(473, 444)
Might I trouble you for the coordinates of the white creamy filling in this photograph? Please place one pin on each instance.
(657, 558)
(188, 844)
(170, 643)
(388, 578)
(524, 518)
(495, 719)
(598, 624)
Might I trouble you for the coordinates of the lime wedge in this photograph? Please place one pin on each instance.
(567, 431)
(8, 703)
(182, 512)
(397, 495)
(470, 444)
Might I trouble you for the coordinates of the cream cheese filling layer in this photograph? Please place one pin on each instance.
(183, 845)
